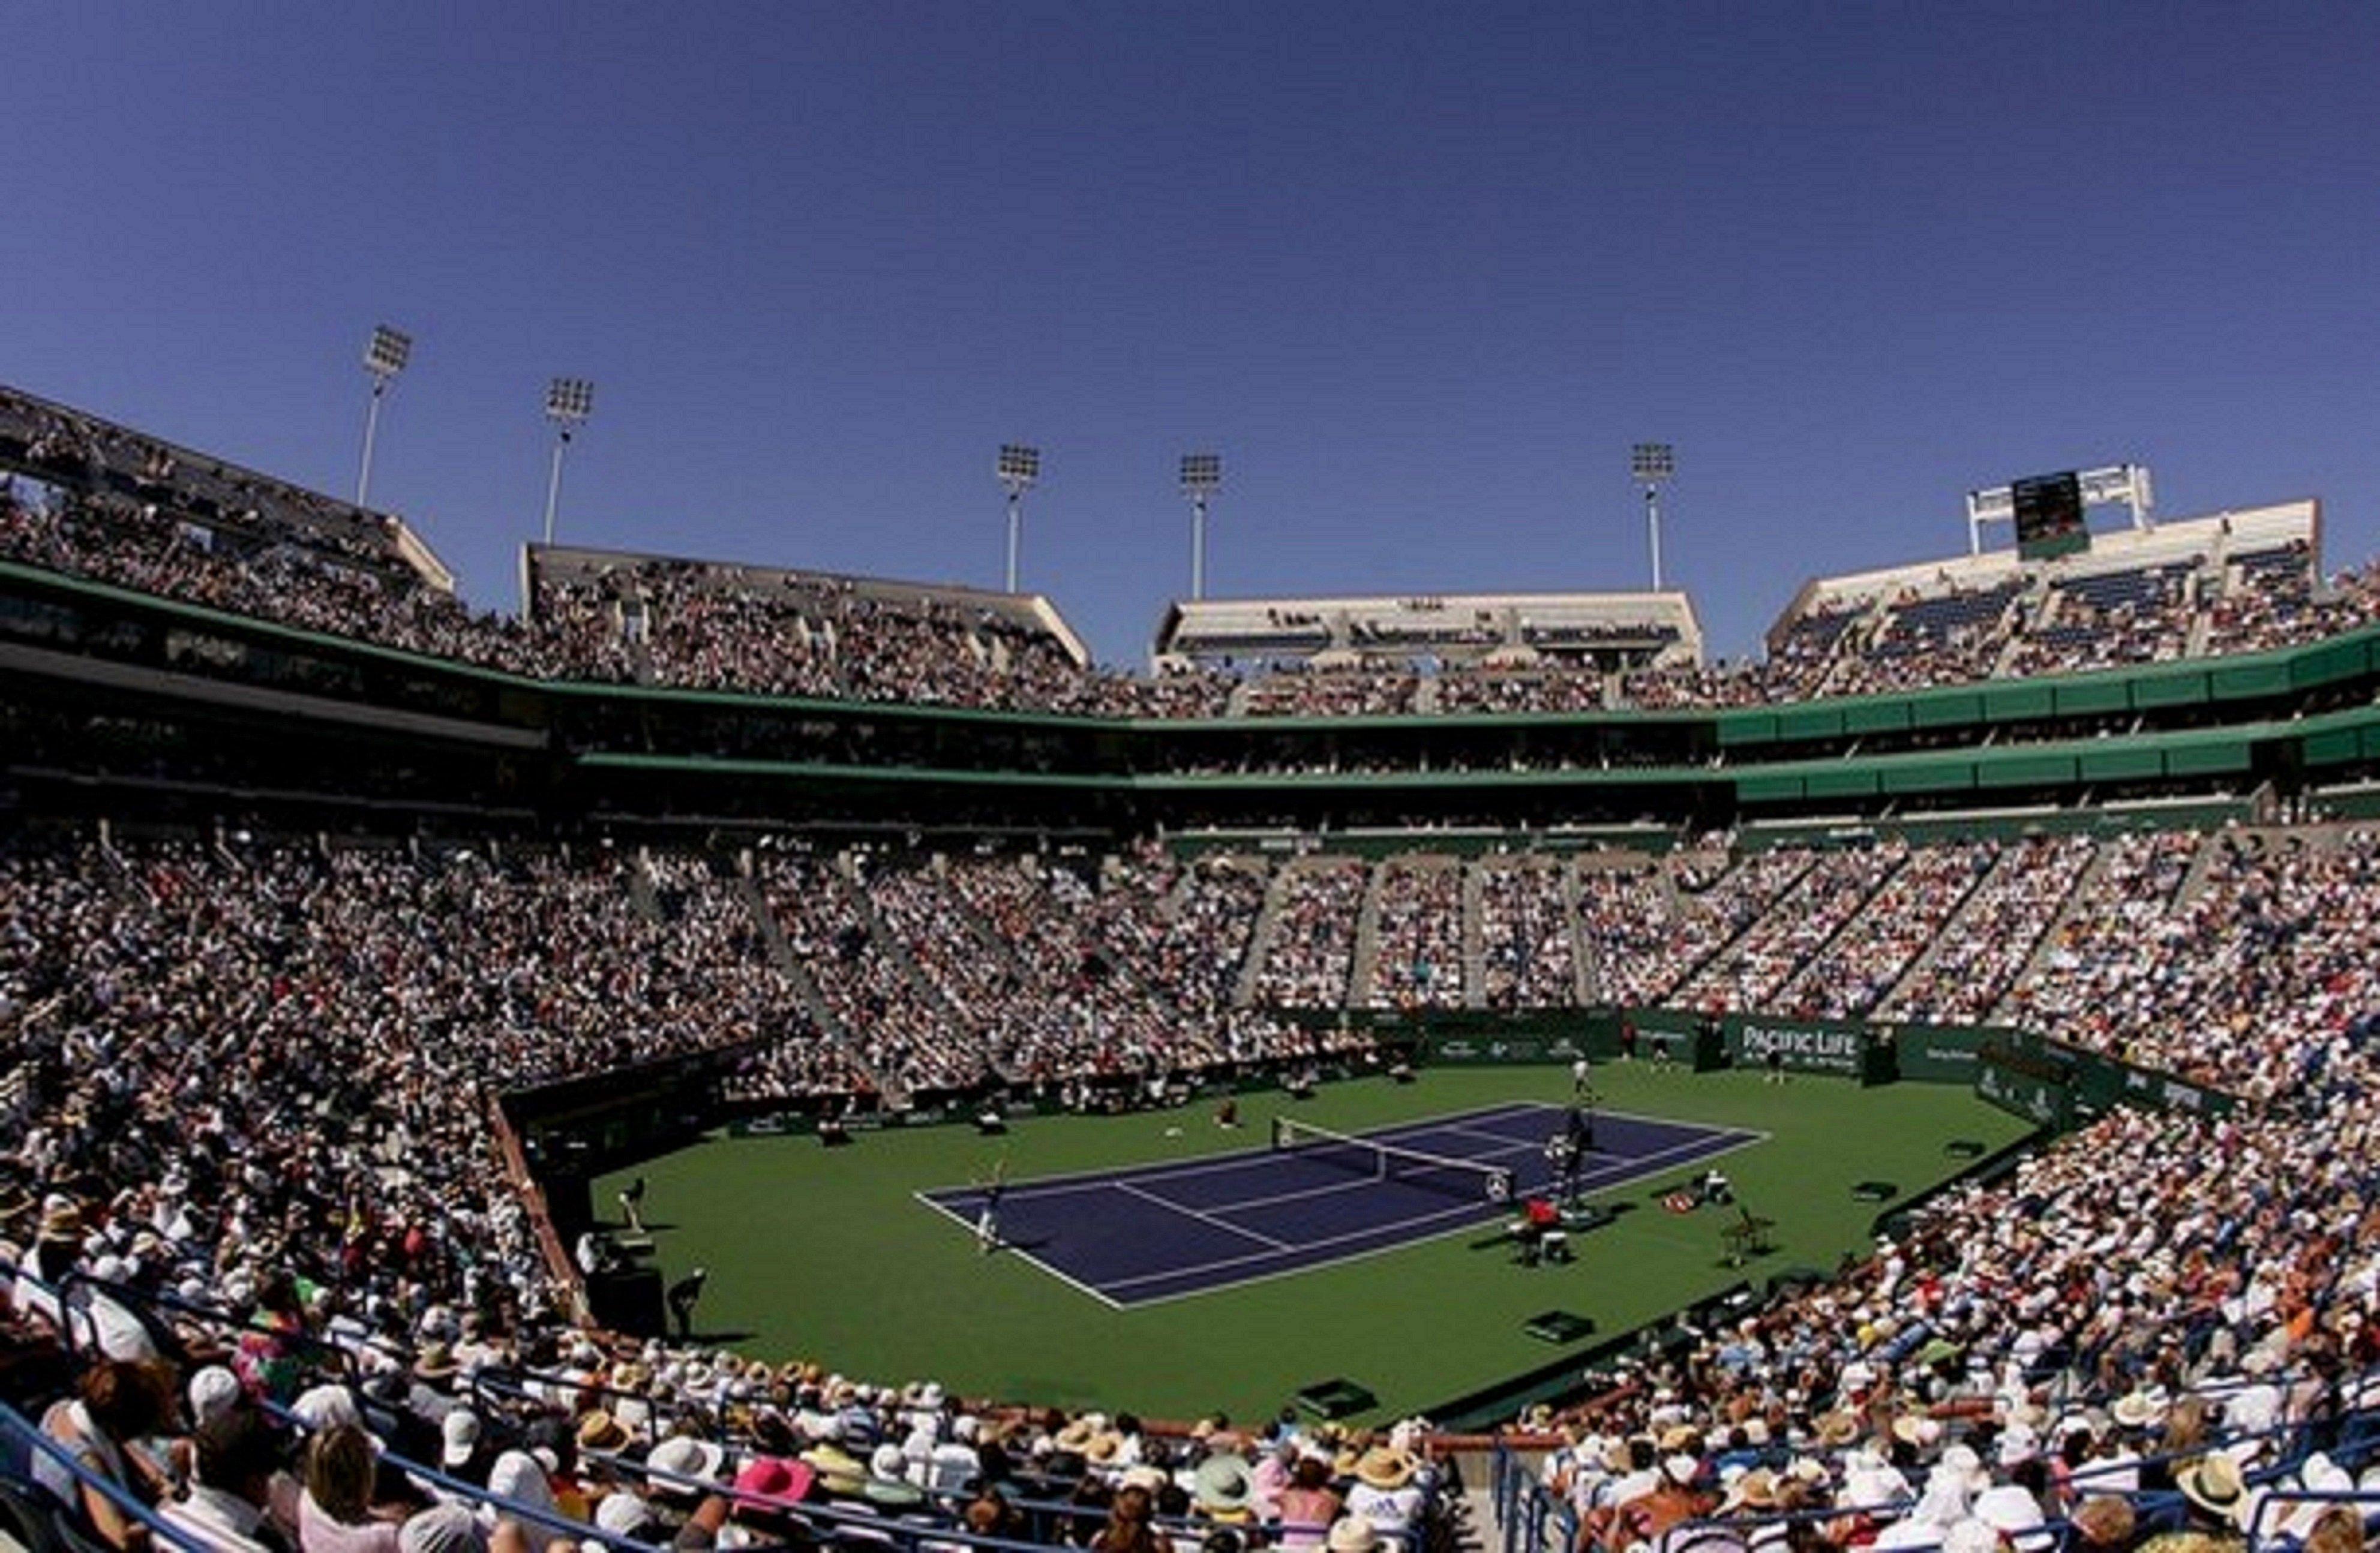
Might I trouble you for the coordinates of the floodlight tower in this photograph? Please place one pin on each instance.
(1652, 463)
(568, 403)
(383, 358)
(1018, 468)
(1202, 473)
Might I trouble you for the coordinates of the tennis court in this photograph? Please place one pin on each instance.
(1137, 1236)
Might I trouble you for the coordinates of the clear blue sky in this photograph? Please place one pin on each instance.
(1420, 274)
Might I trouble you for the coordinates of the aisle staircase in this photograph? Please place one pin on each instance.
(2086, 885)
(1260, 936)
(805, 989)
(1585, 954)
(1366, 960)
(1475, 937)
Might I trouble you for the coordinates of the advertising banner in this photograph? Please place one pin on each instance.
(2034, 1096)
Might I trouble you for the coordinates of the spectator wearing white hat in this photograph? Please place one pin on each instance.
(462, 1452)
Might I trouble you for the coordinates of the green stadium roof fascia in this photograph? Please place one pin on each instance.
(1629, 776)
(1315, 781)
(1405, 721)
(2243, 734)
(745, 700)
(810, 771)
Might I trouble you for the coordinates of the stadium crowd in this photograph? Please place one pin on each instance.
(1418, 959)
(320, 1432)
(950, 973)
(2014, 906)
(1650, 931)
(252, 1170)
(255, 1078)
(2106, 1350)
(1753, 971)
(1526, 937)
(1293, 691)
(1312, 952)
(254, 547)
(2247, 985)
(1867, 957)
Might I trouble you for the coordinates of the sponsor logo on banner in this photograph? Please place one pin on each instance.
(1457, 1050)
(1958, 1056)
(2031, 1098)
(1827, 1051)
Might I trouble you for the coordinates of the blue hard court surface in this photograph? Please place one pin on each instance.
(1154, 1233)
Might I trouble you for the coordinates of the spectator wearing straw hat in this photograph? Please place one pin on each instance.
(2216, 1502)
(1223, 1486)
(1130, 1527)
(2106, 1524)
(1384, 1492)
(1352, 1534)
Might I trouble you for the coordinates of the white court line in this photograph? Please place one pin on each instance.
(1628, 1168)
(1202, 1216)
(1672, 1122)
(1457, 1119)
(1092, 1181)
(1213, 1164)
(1494, 1137)
(1008, 1250)
(1642, 1165)
(1352, 1183)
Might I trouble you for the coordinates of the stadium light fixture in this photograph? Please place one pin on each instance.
(1652, 464)
(1202, 474)
(568, 403)
(384, 356)
(1019, 468)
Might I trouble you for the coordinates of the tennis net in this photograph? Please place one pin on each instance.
(1386, 1161)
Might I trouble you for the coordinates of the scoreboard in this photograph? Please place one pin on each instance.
(2049, 512)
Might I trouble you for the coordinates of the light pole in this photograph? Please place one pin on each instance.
(383, 358)
(1201, 474)
(1652, 463)
(568, 403)
(1018, 468)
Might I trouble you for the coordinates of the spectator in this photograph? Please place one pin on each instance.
(236, 1458)
(118, 1403)
(337, 1513)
